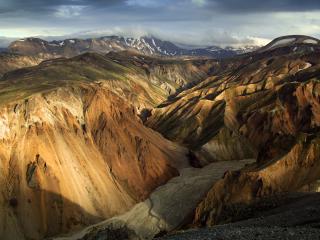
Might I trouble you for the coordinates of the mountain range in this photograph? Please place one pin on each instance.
(112, 138)
(144, 45)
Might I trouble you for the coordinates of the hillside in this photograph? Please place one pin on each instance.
(73, 149)
(147, 145)
(144, 81)
(72, 155)
(263, 105)
(9, 62)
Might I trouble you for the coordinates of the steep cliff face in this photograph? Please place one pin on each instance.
(73, 156)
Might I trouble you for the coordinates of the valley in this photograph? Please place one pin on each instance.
(127, 144)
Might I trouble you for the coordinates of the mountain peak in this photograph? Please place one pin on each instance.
(291, 40)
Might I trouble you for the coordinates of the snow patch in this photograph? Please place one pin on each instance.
(53, 44)
(310, 41)
(282, 42)
(153, 42)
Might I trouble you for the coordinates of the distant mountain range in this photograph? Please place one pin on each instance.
(145, 45)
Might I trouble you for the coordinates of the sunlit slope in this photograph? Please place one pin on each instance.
(145, 82)
(73, 150)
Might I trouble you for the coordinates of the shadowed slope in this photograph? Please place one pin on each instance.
(267, 107)
(219, 108)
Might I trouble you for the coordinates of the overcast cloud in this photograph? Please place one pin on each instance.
(197, 22)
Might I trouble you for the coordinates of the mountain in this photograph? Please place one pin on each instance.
(263, 105)
(9, 62)
(145, 45)
(73, 148)
(142, 80)
(298, 42)
(81, 117)
(149, 145)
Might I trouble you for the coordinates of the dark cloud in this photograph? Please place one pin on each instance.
(186, 21)
(40, 6)
(264, 6)
(37, 6)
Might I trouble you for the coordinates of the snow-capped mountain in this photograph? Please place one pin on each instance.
(144, 45)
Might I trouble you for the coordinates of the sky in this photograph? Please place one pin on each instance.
(192, 22)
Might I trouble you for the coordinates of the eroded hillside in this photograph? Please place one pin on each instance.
(267, 108)
(73, 156)
(74, 151)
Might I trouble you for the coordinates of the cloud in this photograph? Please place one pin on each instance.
(255, 6)
(144, 3)
(46, 6)
(69, 11)
(205, 22)
(4, 42)
(199, 3)
(215, 37)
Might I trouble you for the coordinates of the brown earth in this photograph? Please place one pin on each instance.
(72, 146)
(73, 156)
(9, 62)
(265, 107)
